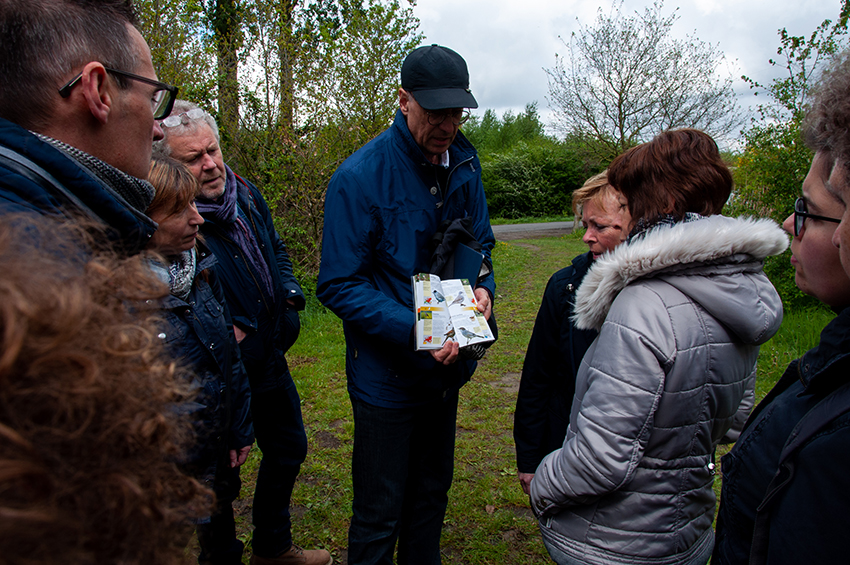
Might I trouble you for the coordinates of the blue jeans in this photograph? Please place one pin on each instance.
(402, 469)
(280, 436)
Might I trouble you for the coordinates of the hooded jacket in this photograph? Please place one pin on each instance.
(681, 313)
(382, 207)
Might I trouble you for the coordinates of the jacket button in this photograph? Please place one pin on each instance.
(433, 190)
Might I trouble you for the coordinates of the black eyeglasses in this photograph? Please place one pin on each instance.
(161, 102)
(801, 212)
(458, 116)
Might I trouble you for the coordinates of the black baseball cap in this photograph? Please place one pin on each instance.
(438, 78)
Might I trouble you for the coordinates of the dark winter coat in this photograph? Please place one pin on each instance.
(64, 187)
(199, 332)
(383, 205)
(549, 371)
(786, 486)
(272, 326)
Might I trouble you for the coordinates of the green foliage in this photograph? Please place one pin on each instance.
(532, 179)
(175, 33)
(489, 134)
(525, 172)
(775, 160)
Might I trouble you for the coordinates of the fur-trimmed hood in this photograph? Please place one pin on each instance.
(683, 255)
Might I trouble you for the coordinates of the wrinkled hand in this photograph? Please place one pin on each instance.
(525, 481)
(240, 335)
(448, 354)
(485, 306)
(239, 456)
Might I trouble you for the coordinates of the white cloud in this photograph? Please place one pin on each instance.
(508, 43)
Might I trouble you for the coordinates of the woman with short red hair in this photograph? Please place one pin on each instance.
(681, 309)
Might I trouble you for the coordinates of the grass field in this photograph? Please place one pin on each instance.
(488, 519)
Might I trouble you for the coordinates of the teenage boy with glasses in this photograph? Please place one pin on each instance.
(76, 127)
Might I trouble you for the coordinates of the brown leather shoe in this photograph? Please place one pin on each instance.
(295, 556)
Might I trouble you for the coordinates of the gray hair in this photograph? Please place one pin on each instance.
(44, 41)
(827, 124)
(187, 126)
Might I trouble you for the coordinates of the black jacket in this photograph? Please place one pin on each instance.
(272, 326)
(198, 330)
(549, 371)
(786, 489)
(61, 186)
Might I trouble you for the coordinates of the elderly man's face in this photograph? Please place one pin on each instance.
(199, 150)
(433, 140)
(839, 186)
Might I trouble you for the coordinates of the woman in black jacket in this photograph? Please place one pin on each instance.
(198, 330)
(786, 490)
(557, 346)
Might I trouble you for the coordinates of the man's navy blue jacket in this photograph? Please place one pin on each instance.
(272, 326)
(382, 208)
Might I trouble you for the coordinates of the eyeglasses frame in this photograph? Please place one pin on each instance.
(800, 216)
(65, 90)
(198, 114)
(464, 117)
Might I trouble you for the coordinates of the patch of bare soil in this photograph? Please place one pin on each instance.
(509, 382)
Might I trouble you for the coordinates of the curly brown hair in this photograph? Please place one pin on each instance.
(679, 171)
(90, 432)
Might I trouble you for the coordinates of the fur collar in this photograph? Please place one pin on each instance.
(709, 239)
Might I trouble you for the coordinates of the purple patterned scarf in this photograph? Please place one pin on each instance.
(227, 213)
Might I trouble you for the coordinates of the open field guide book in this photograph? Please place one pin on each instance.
(447, 310)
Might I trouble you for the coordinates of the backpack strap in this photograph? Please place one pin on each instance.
(26, 168)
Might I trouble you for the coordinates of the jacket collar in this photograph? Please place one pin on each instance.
(669, 247)
(834, 345)
(459, 151)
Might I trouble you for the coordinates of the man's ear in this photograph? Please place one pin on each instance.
(98, 91)
(403, 101)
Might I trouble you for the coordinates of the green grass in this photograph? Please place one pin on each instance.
(488, 519)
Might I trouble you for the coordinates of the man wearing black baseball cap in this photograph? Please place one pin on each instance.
(382, 207)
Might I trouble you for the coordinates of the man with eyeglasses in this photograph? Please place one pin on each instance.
(264, 298)
(383, 206)
(78, 111)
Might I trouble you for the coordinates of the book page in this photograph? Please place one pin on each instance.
(446, 311)
(469, 324)
(433, 323)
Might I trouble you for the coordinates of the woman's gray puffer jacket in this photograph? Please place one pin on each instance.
(681, 313)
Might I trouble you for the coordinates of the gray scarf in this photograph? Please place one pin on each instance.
(137, 193)
(179, 274)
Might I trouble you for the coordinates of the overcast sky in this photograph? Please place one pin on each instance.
(508, 43)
